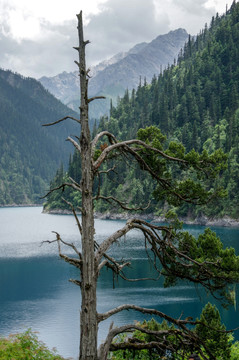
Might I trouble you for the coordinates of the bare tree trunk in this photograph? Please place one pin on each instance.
(164, 241)
(88, 319)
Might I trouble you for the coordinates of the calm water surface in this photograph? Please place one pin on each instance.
(35, 291)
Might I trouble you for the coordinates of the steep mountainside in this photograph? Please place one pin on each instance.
(112, 77)
(65, 86)
(29, 153)
(145, 62)
(196, 102)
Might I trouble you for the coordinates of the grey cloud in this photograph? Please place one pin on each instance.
(194, 13)
(48, 55)
(121, 25)
(195, 7)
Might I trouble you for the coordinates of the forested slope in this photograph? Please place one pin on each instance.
(29, 153)
(196, 102)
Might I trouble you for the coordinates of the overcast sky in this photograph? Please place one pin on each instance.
(36, 37)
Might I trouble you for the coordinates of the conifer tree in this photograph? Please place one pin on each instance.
(175, 254)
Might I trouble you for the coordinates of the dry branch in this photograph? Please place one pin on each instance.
(127, 143)
(63, 119)
(179, 322)
(76, 145)
(105, 245)
(96, 98)
(74, 185)
(122, 204)
(75, 215)
(111, 137)
(73, 261)
(185, 339)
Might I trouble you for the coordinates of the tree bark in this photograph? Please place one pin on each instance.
(164, 243)
(88, 317)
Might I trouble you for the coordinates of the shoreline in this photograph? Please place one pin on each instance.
(226, 221)
(20, 205)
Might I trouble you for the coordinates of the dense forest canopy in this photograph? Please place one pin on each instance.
(29, 154)
(196, 102)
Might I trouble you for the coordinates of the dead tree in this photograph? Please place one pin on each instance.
(174, 254)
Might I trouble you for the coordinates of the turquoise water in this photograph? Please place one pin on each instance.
(35, 291)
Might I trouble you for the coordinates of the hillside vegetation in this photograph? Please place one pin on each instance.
(196, 102)
(29, 153)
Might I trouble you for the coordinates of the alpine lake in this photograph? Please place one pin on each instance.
(35, 291)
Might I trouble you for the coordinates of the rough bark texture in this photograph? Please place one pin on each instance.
(88, 319)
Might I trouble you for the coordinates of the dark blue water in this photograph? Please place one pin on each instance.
(35, 291)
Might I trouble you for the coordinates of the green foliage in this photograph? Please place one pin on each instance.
(152, 136)
(196, 104)
(142, 337)
(176, 187)
(211, 265)
(213, 334)
(25, 346)
(30, 154)
(209, 330)
(235, 351)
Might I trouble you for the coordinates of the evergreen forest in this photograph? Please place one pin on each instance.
(194, 102)
(29, 155)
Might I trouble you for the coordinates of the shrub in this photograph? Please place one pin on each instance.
(25, 346)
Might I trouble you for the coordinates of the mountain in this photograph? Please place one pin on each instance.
(124, 70)
(29, 153)
(194, 102)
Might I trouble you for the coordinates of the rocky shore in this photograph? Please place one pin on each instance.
(226, 221)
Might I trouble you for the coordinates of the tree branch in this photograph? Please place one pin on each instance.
(63, 119)
(73, 261)
(76, 282)
(120, 203)
(103, 247)
(123, 144)
(76, 145)
(96, 98)
(185, 339)
(59, 239)
(111, 137)
(75, 215)
(179, 322)
(130, 224)
(62, 186)
(210, 274)
(76, 184)
(107, 171)
(108, 346)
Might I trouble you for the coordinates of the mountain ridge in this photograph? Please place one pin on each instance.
(123, 71)
(196, 104)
